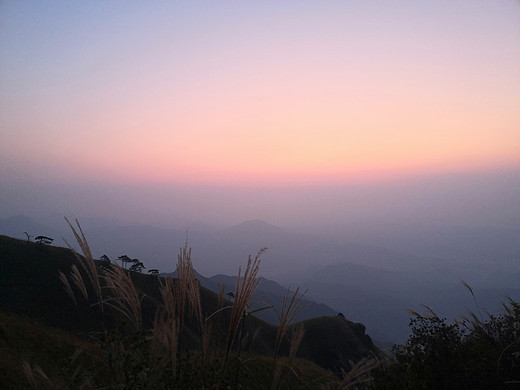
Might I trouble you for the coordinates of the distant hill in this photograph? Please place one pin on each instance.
(268, 293)
(219, 251)
(16, 225)
(29, 286)
(369, 284)
(378, 298)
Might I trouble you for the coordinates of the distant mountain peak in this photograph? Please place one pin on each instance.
(256, 224)
(19, 217)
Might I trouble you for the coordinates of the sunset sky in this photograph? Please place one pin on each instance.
(258, 93)
(253, 95)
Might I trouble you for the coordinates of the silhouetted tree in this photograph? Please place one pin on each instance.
(106, 263)
(137, 266)
(44, 239)
(124, 259)
(28, 236)
(154, 272)
(105, 259)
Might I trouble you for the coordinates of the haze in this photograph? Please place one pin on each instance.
(353, 120)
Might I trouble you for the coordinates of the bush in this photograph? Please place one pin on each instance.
(472, 354)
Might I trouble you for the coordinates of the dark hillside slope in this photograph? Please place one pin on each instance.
(30, 286)
(328, 338)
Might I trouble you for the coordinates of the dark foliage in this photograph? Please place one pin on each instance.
(42, 239)
(460, 355)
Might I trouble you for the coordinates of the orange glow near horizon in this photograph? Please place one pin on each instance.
(236, 104)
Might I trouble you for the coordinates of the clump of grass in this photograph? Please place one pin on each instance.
(155, 357)
(360, 374)
(123, 295)
(118, 292)
(169, 322)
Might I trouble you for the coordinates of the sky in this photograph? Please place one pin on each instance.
(276, 110)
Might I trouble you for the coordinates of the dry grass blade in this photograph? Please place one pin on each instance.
(296, 338)
(290, 309)
(294, 343)
(167, 327)
(245, 288)
(181, 285)
(67, 287)
(29, 373)
(82, 241)
(473, 320)
(124, 297)
(193, 288)
(430, 310)
(359, 374)
(206, 341)
(474, 298)
(78, 281)
(168, 324)
(164, 340)
(432, 314)
(467, 286)
(508, 309)
(413, 313)
(38, 370)
(220, 296)
(87, 263)
(193, 294)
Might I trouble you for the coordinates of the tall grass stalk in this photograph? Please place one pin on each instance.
(245, 288)
(87, 263)
(114, 288)
(32, 373)
(123, 295)
(166, 329)
(360, 374)
(291, 307)
(476, 321)
(294, 343)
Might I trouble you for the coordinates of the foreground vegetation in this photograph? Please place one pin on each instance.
(127, 330)
(139, 331)
(470, 354)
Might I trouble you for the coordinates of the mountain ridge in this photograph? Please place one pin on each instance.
(30, 286)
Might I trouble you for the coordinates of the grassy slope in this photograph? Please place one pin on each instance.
(29, 286)
(23, 339)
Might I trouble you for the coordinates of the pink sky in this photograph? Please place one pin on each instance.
(258, 94)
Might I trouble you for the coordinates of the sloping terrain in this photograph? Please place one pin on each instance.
(30, 287)
(268, 293)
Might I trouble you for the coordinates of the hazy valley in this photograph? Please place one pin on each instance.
(368, 284)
